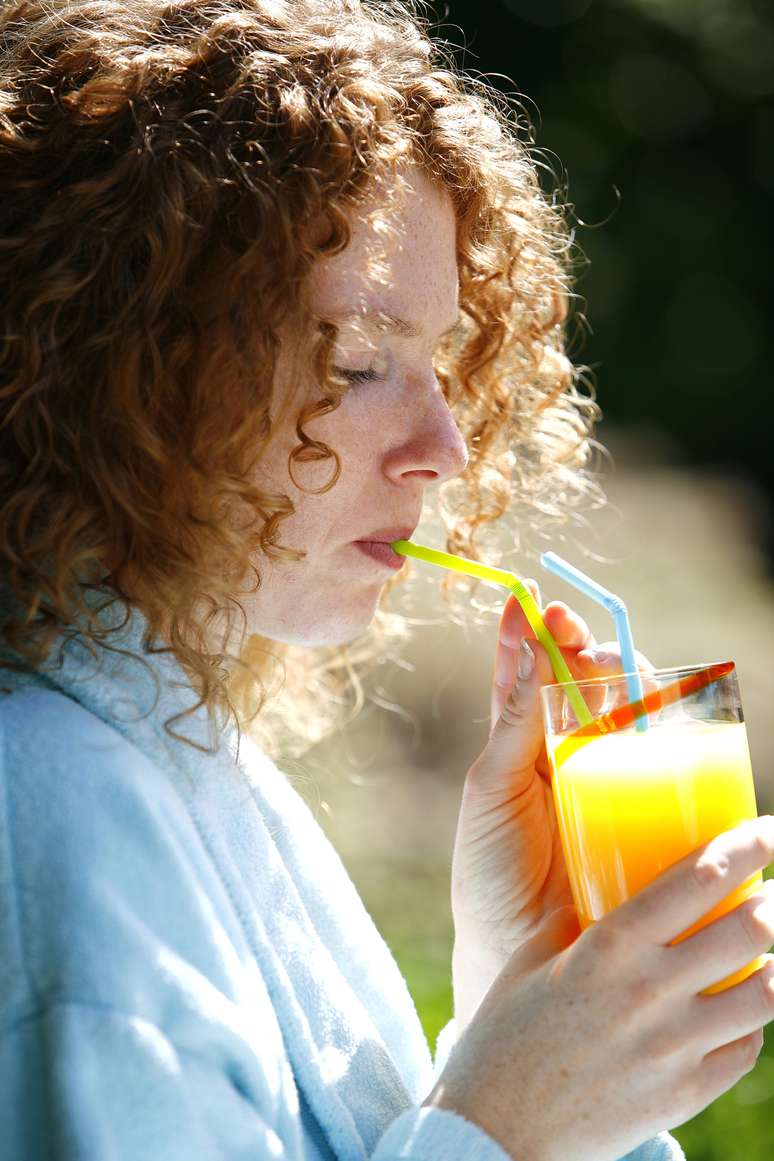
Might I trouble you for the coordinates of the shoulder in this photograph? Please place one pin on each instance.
(44, 731)
(105, 869)
(72, 784)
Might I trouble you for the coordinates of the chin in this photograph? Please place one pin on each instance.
(338, 628)
(339, 634)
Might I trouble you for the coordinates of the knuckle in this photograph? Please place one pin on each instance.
(613, 951)
(710, 869)
(760, 849)
(664, 1046)
(764, 988)
(756, 923)
(606, 940)
(643, 992)
(516, 708)
(747, 1053)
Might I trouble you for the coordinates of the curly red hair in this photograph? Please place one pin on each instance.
(145, 143)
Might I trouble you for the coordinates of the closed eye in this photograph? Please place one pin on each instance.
(367, 376)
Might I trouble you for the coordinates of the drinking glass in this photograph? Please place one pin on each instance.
(630, 803)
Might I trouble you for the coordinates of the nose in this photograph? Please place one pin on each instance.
(428, 443)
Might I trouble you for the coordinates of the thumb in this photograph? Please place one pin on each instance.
(557, 931)
(552, 936)
(516, 738)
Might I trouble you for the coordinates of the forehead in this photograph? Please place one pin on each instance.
(402, 252)
(374, 318)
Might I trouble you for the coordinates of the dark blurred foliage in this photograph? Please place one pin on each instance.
(658, 116)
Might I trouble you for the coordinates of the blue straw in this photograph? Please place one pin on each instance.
(617, 608)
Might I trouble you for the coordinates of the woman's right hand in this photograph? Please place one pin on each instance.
(587, 1045)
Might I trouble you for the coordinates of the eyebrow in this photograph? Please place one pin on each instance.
(384, 321)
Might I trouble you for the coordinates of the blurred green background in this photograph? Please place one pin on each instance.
(657, 115)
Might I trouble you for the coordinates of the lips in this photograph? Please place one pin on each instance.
(376, 546)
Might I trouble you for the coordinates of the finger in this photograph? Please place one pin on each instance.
(566, 626)
(513, 623)
(516, 739)
(506, 669)
(503, 679)
(721, 1069)
(605, 660)
(728, 944)
(512, 630)
(737, 1011)
(691, 887)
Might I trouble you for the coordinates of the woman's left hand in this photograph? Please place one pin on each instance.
(508, 870)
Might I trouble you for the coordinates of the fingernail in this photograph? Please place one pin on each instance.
(526, 660)
(599, 656)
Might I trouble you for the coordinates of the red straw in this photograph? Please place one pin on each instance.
(626, 715)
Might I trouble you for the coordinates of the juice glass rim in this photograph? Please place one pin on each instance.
(668, 671)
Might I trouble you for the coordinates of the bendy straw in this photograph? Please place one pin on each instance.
(617, 608)
(522, 594)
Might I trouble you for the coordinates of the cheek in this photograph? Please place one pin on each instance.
(305, 458)
(358, 429)
(375, 413)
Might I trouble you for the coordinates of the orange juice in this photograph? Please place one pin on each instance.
(631, 804)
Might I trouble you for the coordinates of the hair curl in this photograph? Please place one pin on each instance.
(143, 143)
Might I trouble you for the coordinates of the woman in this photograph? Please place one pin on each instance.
(272, 275)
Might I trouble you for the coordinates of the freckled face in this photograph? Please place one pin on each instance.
(393, 430)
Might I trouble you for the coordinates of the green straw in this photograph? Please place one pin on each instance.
(529, 607)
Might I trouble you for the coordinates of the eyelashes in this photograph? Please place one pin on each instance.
(367, 376)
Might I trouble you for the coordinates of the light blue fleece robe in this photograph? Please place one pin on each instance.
(187, 973)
